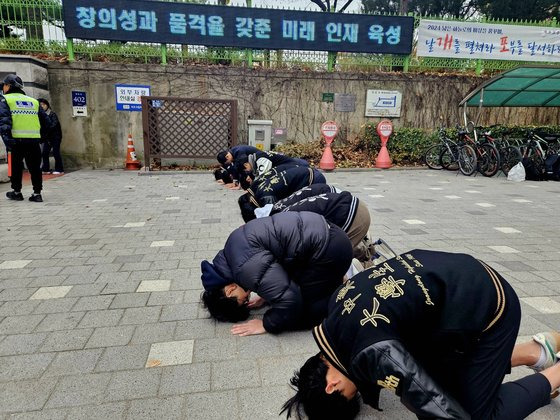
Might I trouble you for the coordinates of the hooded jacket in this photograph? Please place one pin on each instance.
(389, 326)
(337, 207)
(268, 255)
(276, 185)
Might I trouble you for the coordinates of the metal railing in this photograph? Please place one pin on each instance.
(36, 27)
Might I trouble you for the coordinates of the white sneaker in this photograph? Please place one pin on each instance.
(57, 173)
(550, 342)
(355, 268)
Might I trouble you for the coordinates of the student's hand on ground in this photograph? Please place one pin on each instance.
(235, 187)
(252, 327)
(256, 303)
(231, 185)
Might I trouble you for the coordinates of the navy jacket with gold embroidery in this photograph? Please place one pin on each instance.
(338, 208)
(276, 185)
(390, 325)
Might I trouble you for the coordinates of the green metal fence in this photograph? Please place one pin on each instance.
(36, 27)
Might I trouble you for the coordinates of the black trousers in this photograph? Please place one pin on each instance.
(55, 146)
(30, 151)
(477, 382)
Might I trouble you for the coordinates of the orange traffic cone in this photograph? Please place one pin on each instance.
(132, 162)
(327, 160)
(383, 160)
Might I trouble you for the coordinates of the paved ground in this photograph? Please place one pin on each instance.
(99, 288)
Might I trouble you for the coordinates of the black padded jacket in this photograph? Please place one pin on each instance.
(267, 255)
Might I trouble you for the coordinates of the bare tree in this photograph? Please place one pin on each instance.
(325, 5)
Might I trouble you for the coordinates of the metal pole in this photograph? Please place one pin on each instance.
(249, 51)
(70, 49)
(406, 63)
(163, 48)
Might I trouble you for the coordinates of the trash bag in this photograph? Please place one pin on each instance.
(517, 173)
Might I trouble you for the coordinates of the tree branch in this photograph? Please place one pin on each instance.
(345, 6)
(320, 4)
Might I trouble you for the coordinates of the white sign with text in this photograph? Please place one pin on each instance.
(383, 103)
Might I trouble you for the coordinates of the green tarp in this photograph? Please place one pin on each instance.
(523, 86)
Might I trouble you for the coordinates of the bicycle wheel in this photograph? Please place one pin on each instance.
(467, 160)
(488, 160)
(448, 158)
(538, 164)
(509, 157)
(431, 157)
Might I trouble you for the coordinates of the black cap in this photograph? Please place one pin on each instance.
(14, 81)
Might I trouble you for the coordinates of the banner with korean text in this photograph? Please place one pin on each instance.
(489, 41)
(241, 27)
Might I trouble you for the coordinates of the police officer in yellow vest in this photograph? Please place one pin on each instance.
(21, 119)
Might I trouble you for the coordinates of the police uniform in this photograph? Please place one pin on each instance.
(21, 119)
(436, 328)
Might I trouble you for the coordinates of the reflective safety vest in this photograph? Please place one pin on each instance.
(25, 116)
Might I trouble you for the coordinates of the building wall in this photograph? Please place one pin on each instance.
(291, 99)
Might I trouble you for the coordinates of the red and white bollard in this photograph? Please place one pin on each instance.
(384, 129)
(329, 130)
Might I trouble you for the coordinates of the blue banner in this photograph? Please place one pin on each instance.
(241, 27)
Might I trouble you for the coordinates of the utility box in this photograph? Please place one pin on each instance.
(260, 134)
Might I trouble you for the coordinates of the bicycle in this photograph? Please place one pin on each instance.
(509, 155)
(450, 155)
(487, 156)
(536, 150)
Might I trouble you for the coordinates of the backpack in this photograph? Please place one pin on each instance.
(531, 172)
(552, 167)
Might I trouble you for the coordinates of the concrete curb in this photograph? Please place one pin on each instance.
(198, 171)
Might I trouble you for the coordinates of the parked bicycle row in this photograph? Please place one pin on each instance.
(475, 150)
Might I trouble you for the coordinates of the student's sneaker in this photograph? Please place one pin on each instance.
(382, 253)
(550, 342)
(58, 173)
(36, 198)
(13, 195)
(355, 268)
(47, 172)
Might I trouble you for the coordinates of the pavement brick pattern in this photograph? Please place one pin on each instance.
(100, 284)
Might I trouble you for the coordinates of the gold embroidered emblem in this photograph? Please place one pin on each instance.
(424, 289)
(349, 304)
(373, 315)
(390, 287)
(381, 271)
(391, 382)
(274, 180)
(405, 264)
(342, 292)
(417, 263)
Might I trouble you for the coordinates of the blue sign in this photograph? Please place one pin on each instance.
(78, 98)
(128, 97)
(241, 27)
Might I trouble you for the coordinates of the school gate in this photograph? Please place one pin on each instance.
(182, 128)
